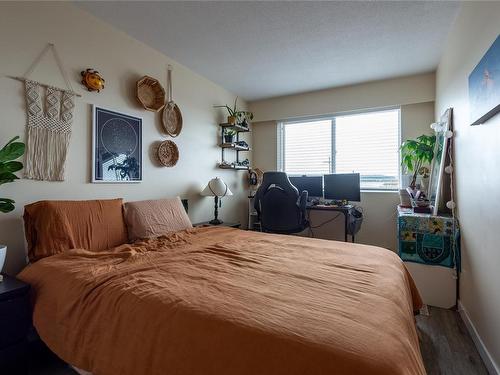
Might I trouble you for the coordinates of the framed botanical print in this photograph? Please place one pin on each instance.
(116, 147)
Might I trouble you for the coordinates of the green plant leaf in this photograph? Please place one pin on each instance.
(6, 205)
(11, 166)
(7, 177)
(228, 109)
(12, 151)
(415, 152)
(234, 107)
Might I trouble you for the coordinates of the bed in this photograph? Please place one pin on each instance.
(219, 300)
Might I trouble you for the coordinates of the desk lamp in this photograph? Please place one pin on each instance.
(216, 188)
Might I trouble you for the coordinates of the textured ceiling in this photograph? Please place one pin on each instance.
(264, 49)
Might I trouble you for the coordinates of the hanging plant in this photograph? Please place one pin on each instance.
(8, 166)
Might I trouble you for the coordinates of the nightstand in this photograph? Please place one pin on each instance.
(15, 322)
(224, 224)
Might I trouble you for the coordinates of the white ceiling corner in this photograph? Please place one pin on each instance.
(265, 49)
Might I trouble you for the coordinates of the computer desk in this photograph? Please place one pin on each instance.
(346, 210)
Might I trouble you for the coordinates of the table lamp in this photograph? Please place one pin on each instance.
(216, 188)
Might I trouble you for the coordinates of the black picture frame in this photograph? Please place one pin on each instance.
(116, 147)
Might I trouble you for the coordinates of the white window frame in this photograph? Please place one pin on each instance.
(332, 117)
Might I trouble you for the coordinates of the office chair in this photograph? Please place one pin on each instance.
(280, 207)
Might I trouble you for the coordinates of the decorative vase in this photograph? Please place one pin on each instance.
(3, 253)
(404, 198)
(228, 138)
(231, 120)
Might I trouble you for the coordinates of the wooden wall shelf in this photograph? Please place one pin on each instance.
(234, 146)
(236, 167)
(238, 128)
(224, 127)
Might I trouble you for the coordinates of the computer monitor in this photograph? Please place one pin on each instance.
(313, 184)
(342, 186)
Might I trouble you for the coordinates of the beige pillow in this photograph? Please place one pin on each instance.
(153, 218)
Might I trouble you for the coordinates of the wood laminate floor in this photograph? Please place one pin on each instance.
(446, 346)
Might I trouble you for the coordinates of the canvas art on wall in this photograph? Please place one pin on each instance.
(117, 147)
(484, 86)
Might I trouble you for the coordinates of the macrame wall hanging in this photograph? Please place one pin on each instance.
(50, 115)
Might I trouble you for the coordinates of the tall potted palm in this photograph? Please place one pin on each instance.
(416, 154)
(8, 166)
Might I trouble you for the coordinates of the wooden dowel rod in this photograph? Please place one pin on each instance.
(43, 85)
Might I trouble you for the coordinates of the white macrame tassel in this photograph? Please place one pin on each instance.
(49, 133)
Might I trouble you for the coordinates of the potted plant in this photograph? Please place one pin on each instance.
(242, 117)
(416, 154)
(234, 116)
(8, 166)
(229, 135)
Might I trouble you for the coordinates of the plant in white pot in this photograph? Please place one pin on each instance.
(8, 166)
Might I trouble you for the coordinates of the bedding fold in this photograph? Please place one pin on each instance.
(218, 300)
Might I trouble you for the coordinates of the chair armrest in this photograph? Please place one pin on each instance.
(302, 202)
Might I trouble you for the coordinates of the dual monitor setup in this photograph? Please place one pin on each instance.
(336, 187)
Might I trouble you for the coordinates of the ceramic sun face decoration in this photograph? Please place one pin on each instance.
(92, 80)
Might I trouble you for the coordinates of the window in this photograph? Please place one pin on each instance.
(365, 143)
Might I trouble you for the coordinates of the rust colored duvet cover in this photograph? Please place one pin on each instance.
(222, 301)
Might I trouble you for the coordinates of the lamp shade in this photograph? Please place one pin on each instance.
(216, 188)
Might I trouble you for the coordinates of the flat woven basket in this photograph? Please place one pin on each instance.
(168, 153)
(150, 94)
(172, 119)
(172, 116)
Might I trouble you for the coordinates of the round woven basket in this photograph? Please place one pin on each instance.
(168, 153)
(150, 94)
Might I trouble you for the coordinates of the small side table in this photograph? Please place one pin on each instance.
(430, 247)
(15, 322)
(236, 224)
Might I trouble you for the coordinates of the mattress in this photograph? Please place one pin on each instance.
(219, 300)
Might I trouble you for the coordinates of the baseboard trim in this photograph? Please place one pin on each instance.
(483, 351)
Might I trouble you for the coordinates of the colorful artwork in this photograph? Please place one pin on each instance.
(484, 86)
(428, 239)
(117, 147)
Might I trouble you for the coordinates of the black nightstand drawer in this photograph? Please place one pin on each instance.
(14, 360)
(15, 320)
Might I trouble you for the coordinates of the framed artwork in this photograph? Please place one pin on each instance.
(437, 165)
(116, 147)
(484, 86)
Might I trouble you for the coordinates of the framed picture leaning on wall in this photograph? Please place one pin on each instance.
(116, 147)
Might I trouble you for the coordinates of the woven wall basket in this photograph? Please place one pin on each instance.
(168, 153)
(172, 119)
(172, 116)
(150, 94)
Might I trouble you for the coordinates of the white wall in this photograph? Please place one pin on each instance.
(477, 163)
(399, 91)
(85, 42)
(414, 94)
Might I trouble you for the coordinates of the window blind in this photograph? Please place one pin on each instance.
(365, 143)
(307, 147)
